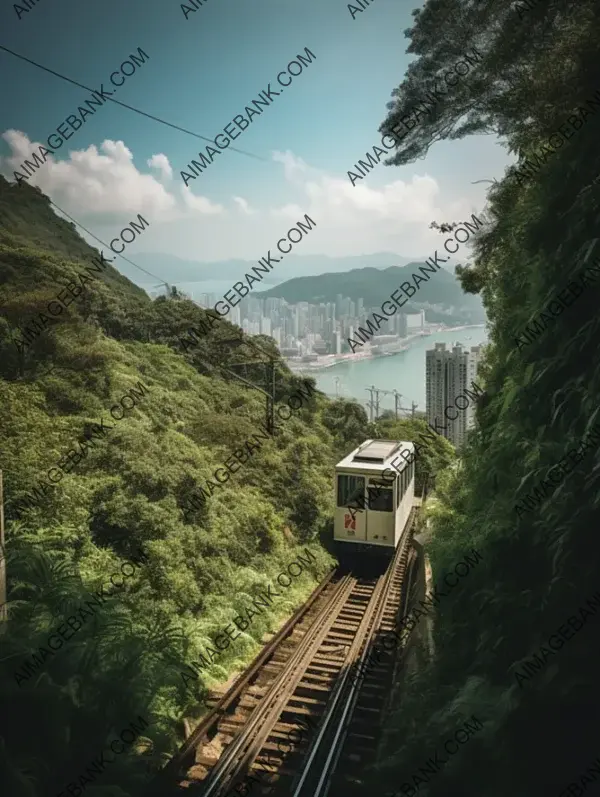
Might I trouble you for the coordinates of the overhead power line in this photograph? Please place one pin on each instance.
(129, 107)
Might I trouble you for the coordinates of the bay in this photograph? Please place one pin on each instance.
(404, 372)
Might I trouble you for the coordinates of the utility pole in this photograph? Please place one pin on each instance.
(397, 402)
(370, 403)
(270, 381)
(373, 405)
(270, 369)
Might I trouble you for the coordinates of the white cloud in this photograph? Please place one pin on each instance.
(199, 204)
(101, 182)
(365, 218)
(294, 168)
(244, 205)
(161, 162)
(102, 186)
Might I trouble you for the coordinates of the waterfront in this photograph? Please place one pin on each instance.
(404, 371)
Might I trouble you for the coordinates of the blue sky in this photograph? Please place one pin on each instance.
(201, 72)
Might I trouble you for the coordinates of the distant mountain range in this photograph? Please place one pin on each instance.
(375, 286)
(319, 278)
(175, 269)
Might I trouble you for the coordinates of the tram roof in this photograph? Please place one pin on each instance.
(374, 455)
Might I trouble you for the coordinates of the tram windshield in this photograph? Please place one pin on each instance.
(351, 491)
(381, 500)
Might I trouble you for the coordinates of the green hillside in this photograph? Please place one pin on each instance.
(119, 579)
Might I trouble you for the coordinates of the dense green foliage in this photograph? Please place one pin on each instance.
(376, 285)
(540, 65)
(127, 659)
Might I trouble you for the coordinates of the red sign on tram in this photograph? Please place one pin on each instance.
(349, 522)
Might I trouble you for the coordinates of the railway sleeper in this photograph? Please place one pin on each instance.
(256, 690)
(274, 776)
(291, 712)
(239, 718)
(271, 667)
(306, 686)
(347, 624)
(369, 709)
(232, 728)
(338, 635)
(335, 644)
(351, 612)
(326, 679)
(329, 669)
(310, 700)
(276, 747)
(284, 728)
(334, 665)
(321, 658)
(373, 695)
(374, 686)
(357, 602)
(365, 725)
(377, 711)
(249, 702)
(365, 738)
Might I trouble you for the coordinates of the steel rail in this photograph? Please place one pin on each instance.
(243, 747)
(338, 745)
(366, 631)
(233, 693)
(338, 688)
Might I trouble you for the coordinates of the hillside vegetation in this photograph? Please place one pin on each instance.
(119, 584)
(517, 645)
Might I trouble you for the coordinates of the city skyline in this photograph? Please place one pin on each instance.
(307, 329)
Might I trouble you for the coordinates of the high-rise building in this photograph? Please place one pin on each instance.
(473, 363)
(336, 342)
(401, 327)
(235, 316)
(448, 375)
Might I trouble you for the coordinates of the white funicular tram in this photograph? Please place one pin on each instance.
(377, 479)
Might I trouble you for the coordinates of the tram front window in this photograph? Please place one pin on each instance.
(381, 500)
(351, 491)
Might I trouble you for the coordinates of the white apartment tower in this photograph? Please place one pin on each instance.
(448, 375)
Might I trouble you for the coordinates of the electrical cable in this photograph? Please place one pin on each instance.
(129, 107)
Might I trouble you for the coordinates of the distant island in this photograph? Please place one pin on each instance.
(183, 270)
(442, 297)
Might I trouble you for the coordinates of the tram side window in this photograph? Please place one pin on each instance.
(351, 491)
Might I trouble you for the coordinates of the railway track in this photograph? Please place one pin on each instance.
(297, 722)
